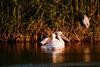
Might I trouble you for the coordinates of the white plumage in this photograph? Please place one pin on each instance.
(86, 21)
(53, 42)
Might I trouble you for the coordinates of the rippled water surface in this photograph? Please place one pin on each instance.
(29, 55)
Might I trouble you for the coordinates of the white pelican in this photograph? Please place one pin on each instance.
(86, 21)
(53, 42)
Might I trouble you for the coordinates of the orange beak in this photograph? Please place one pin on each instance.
(65, 38)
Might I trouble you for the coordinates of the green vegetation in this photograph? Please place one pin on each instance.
(31, 19)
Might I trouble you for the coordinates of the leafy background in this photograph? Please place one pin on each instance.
(34, 19)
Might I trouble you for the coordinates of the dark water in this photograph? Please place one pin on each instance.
(31, 55)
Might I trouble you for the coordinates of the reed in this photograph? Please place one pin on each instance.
(32, 20)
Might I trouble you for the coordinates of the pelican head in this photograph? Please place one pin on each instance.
(53, 35)
(60, 34)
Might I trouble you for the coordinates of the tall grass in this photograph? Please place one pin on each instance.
(41, 17)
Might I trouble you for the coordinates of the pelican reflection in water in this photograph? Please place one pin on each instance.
(57, 56)
(53, 42)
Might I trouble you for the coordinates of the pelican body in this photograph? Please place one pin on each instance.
(86, 21)
(53, 42)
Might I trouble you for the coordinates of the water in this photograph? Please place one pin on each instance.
(29, 55)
